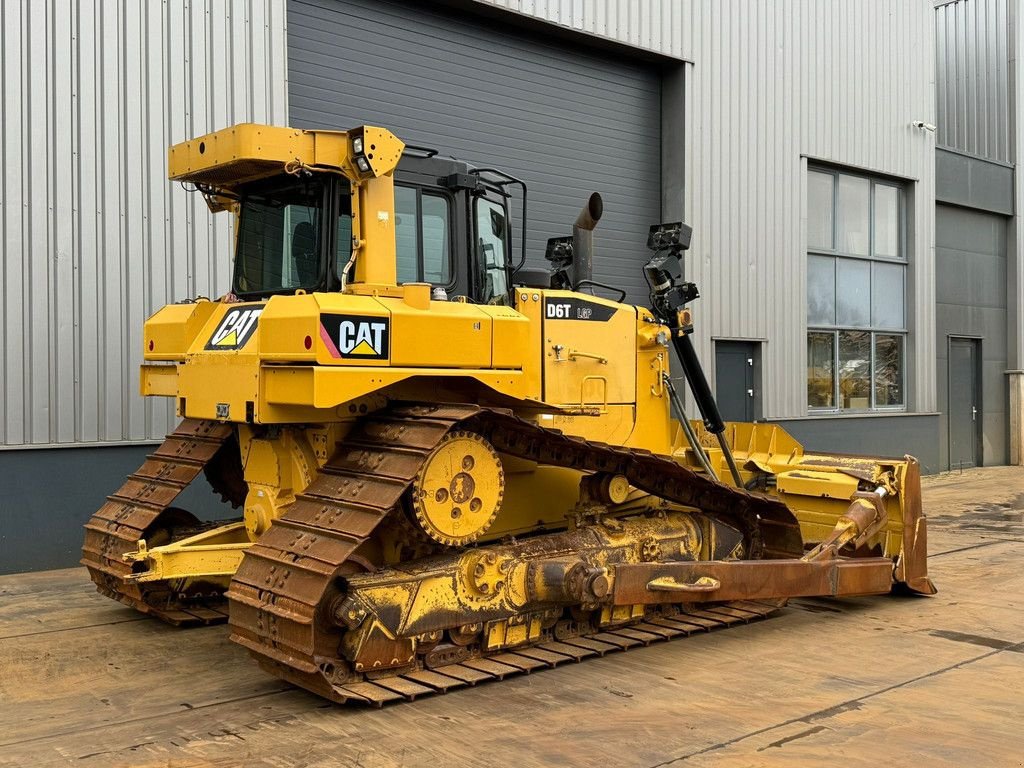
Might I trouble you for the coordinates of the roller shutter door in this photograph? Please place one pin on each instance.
(566, 120)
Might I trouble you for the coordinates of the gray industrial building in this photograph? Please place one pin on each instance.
(848, 167)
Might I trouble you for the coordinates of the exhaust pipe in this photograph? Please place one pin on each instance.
(583, 239)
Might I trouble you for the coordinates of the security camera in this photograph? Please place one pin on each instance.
(924, 125)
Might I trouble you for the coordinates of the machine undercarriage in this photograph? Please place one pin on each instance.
(360, 591)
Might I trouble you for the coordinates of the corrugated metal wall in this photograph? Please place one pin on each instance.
(656, 25)
(94, 236)
(1015, 266)
(774, 82)
(972, 78)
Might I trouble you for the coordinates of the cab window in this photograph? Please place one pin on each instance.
(422, 236)
(491, 239)
(344, 243)
(278, 243)
(343, 234)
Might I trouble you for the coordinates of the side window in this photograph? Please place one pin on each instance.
(491, 233)
(343, 233)
(422, 236)
(436, 261)
(406, 229)
(344, 242)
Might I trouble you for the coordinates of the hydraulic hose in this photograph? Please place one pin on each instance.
(694, 373)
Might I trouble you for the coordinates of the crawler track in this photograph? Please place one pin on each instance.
(655, 627)
(287, 581)
(141, 508)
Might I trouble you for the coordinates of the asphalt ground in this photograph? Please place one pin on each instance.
(894, 680)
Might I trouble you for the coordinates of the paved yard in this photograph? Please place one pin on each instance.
(899, 681)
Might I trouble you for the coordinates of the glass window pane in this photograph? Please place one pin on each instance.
(436, 260)
(819, 210)
(344, 243)
(854, 369)
(853, 206)
(886, 221)
(888, 369)
(821, 290)
(491, 232)
(405, 234)
(302, 269)
(853, 293)
(887, 295)
(278, 244)
(820, 374)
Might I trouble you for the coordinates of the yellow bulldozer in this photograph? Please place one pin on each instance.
(451, 467)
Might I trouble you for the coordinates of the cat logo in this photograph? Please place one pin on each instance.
(356, 337)
(235, 329)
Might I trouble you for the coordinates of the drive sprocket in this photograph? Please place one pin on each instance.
(458, 490)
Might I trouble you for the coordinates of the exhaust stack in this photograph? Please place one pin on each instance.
(583, 239)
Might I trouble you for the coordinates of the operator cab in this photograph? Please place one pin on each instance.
(451, 230)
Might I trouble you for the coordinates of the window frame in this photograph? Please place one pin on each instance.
(871, 257)
(901, 240)
(266, 187)
(873, 407)
(479, 269)
(449, 200)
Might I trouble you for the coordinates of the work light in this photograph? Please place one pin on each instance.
(674, 235)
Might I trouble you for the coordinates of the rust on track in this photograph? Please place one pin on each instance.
(282, 593)
(142, 508)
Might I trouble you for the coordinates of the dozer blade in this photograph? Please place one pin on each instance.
(822, 488)
(912, 564)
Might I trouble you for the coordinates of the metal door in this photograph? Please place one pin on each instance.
(964, 403)
(737, 384)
